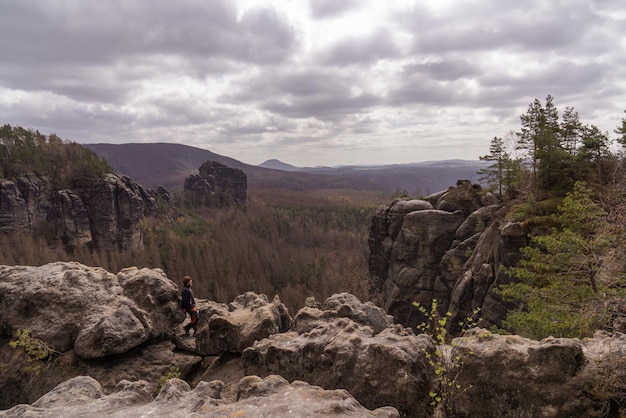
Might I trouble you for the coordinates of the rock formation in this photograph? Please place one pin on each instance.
(217, 185)
(250, 317)
(450, 247)
(94, 312)
(123, 331)
(105, 213)
(269, 397)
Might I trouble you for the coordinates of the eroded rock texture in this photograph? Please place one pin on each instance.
(104, 213)
(452, 247)
(217, 185)
(248, 318)
(333, 351)
(94, 312)
(269, 397)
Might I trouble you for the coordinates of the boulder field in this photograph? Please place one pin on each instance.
(113, 339)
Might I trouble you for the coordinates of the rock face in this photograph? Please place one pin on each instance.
(117, 329)
(342, 305)
(450, 247)
(269, 397)
(95, 312)
(250, 317)
(105, 213)
(217, 185)
(555, 377)
(332, 351)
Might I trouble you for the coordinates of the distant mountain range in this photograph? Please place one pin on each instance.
(154, 164)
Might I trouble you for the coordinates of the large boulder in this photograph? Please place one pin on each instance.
(250, 317)
(342, 305)
(269, 397)
(388, 368)
(511, 376)
(69, 305)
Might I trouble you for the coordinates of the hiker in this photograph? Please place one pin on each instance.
(188, 303)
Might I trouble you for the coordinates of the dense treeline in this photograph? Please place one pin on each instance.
(27, 151)
(564, 180)
(291, 244)
(550, 154)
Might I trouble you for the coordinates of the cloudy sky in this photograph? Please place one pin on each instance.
(310, 82)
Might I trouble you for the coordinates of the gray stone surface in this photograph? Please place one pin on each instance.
(270, 397)
(250, 317)
(97, 313)
(105, 212)
(387, 368)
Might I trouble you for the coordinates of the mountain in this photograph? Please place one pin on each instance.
(154, 164)
(278, 165)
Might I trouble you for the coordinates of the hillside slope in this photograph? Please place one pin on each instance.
(154, 164)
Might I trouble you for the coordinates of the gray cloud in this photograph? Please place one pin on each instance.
(327, 8)
(318, 83)
(379, 45)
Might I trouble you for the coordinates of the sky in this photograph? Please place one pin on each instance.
(308, 82)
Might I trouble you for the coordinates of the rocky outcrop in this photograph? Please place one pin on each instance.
(451, 246)
(129, 325)
(116, 207)
(94, 312)
(555, 377)
(269, 397)
(332, 351)
(342, 305)
(248, 318)
(217, 185)
(104, 213)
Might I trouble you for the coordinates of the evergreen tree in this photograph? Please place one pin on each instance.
(495, 173)
(550, 146)
(557, 278)
(595, 149)
(571, 130)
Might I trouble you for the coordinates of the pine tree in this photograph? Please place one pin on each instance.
(496, 173)
(557, 278)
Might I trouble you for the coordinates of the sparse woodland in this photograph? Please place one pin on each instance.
(291, 244)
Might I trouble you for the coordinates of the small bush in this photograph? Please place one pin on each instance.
(172, 373)
(37, 350)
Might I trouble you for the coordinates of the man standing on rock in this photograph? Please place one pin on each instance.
(188, 303)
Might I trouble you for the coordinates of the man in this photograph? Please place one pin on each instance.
(188, 303)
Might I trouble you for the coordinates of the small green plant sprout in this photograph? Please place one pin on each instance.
(172, 373)
(445, 361)
(37, 350)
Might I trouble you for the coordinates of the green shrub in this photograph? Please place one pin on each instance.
(172, 373)
(445, 362)
(37, 350)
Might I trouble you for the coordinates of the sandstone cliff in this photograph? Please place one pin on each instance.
(217, 185)
(342, 357)
(104, 213)
(451, 246)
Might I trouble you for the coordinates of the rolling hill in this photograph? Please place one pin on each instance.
(154, 164)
